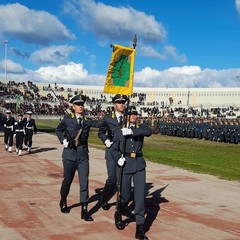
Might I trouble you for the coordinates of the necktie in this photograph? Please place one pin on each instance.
(120, 120)
(79, 122)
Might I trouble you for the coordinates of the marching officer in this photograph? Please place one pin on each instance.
(127, 153)
(106, 131)
(73, 133)
(8, 123)
(30, 128)
(19, 132)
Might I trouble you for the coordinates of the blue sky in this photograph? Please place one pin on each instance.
(181, 43)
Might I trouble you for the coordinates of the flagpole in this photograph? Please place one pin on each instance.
(6, 52)
(118, 216)
(17, 103)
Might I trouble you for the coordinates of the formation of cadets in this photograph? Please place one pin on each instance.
(123, 138)
(21, 130)
(220, 130)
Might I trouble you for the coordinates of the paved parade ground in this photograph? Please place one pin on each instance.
(180, 205)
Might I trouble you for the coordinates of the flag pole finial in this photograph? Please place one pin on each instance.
(135, 41)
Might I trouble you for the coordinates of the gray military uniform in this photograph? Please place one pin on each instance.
(77, 158)
(134, 167)
(107, 127)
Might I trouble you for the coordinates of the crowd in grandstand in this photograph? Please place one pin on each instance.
(210, 124)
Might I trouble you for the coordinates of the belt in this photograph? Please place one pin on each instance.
(133, 155)
(29, 127)
(82, 143)
(19, 130)
(9, 126)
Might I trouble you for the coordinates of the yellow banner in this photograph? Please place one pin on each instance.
(120, 73)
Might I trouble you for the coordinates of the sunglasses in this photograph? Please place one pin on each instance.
(79, 103)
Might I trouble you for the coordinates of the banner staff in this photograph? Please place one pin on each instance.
(117, 215)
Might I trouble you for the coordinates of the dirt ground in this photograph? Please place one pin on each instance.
(179, 205)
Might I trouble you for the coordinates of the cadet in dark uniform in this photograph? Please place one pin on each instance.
(106, 131)
(133, 167)
(1, 122)
(30, 128)
(73, 132)
(8, 123)
(19, 132)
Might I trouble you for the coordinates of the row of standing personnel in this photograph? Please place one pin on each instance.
(224, 130)
(123, 139)
(22, 129)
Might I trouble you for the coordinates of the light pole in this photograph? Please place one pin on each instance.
(6, 43)
(238, 79)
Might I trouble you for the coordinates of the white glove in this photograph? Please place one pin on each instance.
(121, 161)
(65, 143)
(108, 143)
(14, 135)
(126, 131)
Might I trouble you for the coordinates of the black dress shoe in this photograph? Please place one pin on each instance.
(140, 234)
(105, 205)
(85, 214)
(127, 213)
(118, 221)
(63, 205)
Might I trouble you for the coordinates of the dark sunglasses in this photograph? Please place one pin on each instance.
(79, 103)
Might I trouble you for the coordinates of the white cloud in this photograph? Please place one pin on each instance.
(169, 52)
(186, 76)
(111, 23)
(188, 70)
(30, 26)
(172, 53)
(177, 77)
(70, 73)
(12, 67)
(237, 5)
(119, 23)
(52, 55)
(149, 51)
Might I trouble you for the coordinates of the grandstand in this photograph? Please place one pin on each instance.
(186, 97)
(221, 102)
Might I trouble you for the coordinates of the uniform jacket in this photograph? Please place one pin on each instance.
(68, 127)
(8, 123)
(107, 128)
(19, 127)
(134, 144)
(30, 125)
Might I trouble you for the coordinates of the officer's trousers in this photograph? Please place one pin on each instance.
(8, 137)
(139, 180)
(19, 140)
(69, 168)
(28, 138)
(111, 182)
